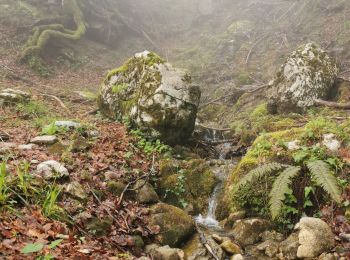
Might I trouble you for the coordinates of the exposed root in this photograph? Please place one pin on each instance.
(42, 34)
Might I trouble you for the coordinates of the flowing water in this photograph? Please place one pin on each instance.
(222, 171)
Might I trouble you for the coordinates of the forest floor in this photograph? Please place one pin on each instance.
(26, 216)
(43, 220)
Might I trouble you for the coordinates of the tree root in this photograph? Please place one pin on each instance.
(43, 33)
(320, 102)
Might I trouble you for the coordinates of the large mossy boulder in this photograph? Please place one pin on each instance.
(186, 183)
(307, 74)
(176, 226)
(154, 96)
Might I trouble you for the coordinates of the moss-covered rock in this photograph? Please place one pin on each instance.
(186, 182)
(157, 98)
(176, 226)
(308, 74)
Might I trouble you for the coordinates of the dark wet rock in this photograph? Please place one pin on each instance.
(195, 250)
(176, 226)
(247, 231)
(289, 247)
(167, 253)
(145, 193)
(230, 247)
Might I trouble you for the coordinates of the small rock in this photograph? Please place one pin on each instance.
(331, 142)
(149, 248)
(79, 144)
(99, 226)
(116, 187)
(329, 256)
(289, 247)
(138, 242)
(247, 231)
(175, 225)
(167, 253)
(237, 257)
(51, 169)
(217, 238)
(44, 140)
(76, 190)
(4, 137)
(26, 147)
(233, 218)
(13, 96)
(293, 145)
(315, 237)
(4, 147)
(269, 247)
(145, 193)
(93, 133)
(272, 235)
(230, 247)
(67, 124)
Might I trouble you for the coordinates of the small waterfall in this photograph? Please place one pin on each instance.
(210, 219)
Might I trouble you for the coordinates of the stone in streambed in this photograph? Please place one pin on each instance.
(230, 247)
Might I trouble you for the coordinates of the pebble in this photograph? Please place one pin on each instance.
(44, 140)
(52, 169)
(67, 124)
(26, 147)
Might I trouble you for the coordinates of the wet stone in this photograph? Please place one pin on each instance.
(44, 140)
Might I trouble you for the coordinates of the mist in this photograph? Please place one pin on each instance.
(174, 129)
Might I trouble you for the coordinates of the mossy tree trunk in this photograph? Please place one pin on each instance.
(42, 34)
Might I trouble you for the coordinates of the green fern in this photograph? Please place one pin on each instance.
(259, 172)
(324, 177)
(279, 188)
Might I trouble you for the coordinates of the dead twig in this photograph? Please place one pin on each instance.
(143, 177)
(253, 46)
(205, 243)
(58, 100)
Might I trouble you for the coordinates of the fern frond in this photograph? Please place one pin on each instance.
(259, 172)
(324, 177)
(279, 188)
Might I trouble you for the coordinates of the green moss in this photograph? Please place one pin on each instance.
(176, 226)
(198, 183)
(120, 87)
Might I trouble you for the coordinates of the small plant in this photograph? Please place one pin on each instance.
(24, 178)
(3, 184)
(51, 129)
(50, 207)
(38, 247)
(32, 108)
(179, 189)
(150, 147)
(318, 170)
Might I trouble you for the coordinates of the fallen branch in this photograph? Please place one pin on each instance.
(252, 48)
(205, 243)
(58, 100)
(320, 102)
(239, 91)
(143, 177)
(215, 129)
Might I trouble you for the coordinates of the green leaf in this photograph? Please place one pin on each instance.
(32, 248)
(307, 203)
(307, 191)
(55, 243)
(258, 172)
(279, 188)
(300, 156)
(324, 177)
